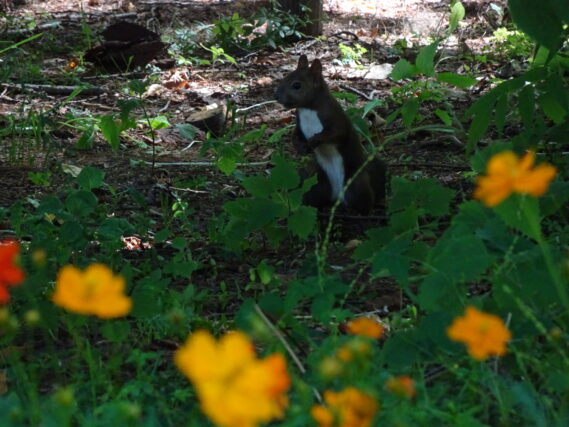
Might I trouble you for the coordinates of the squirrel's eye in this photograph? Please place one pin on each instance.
(296, 85)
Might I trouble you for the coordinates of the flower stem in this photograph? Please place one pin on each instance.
(554, 272)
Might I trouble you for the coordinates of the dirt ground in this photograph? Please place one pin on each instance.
(377, 25)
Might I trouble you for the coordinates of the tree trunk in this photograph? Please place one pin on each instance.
(314, 28)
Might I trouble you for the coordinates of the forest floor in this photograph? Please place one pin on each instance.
(383, 27)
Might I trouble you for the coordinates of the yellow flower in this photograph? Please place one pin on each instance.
(348, 408)
(484, 334)
(366, 327)
(234, 387)
(94, 291)
(401, 386)
(507, 174)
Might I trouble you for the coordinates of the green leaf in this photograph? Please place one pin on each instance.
(457, 80)
(81, 203)
(159, 122)
(110, 130)
(86, 139)
(520, 212)
(457, 13)
(114, 229)
(459, 255)
(437, 291)
(226, 164)
(394, 259)
(444, 116)
(501, 111)
(539, 20)
(377, 238)
(557, 196)
(479, 126)
(401, 351)
(321, 307)
(552, 108)
(526, 106)
(426, 194)
(187, 131)
(303, 221)
(284, 175)
(116, 331)
(258, 186)
(425, 61)
(90, 178)
(403, 70)
(409, 111)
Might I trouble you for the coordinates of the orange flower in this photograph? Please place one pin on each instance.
(234, 387)
(10, 272)
(94, 291)
(366, 327)
(348, 408)
(401, 386)
(484, 334)
(507, 174)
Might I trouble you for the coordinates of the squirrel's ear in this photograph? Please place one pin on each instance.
(302, 62)
(316, 67)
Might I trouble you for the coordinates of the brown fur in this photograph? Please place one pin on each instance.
(305, 88)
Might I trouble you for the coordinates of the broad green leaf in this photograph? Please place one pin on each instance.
(520, 212)
(457, 80)
(501, 111)
(114, 229)
(556, 197)
(478, 127)
(90, 178)
(258, 186)
(303, 221)
(159, 122)
(526, 106)
(284, 175)
(110, 130)
(539, 20)
(552, 108)
(425, 61)
(437, 291)
(459, 256)
(376, 239)
(457, 13)
(226, 164)
(444, 116)
(426, 194)
(409, 111)
(393, 259)
(403, 69)
(187, 131)
(81, 202)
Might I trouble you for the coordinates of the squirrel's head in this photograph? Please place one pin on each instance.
(299, 88)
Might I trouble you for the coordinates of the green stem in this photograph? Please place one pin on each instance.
(553, 269)
(84, 349)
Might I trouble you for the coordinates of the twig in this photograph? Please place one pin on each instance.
(189, 190)
(202, 163)
(356, 91)
(431, 165)
(56, 90)
(165, 107)
(184, 3)
(288, 348)
(240, 110)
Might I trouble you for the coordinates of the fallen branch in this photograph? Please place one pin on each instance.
(56, 90)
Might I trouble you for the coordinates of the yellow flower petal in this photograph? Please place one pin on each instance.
(234, 387)
(507, 174)
(484, 334)
(95, 291)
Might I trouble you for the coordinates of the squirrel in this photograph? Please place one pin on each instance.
(323, 127)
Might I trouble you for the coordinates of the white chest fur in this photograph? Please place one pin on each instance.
(310, 124)
(331, 161)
